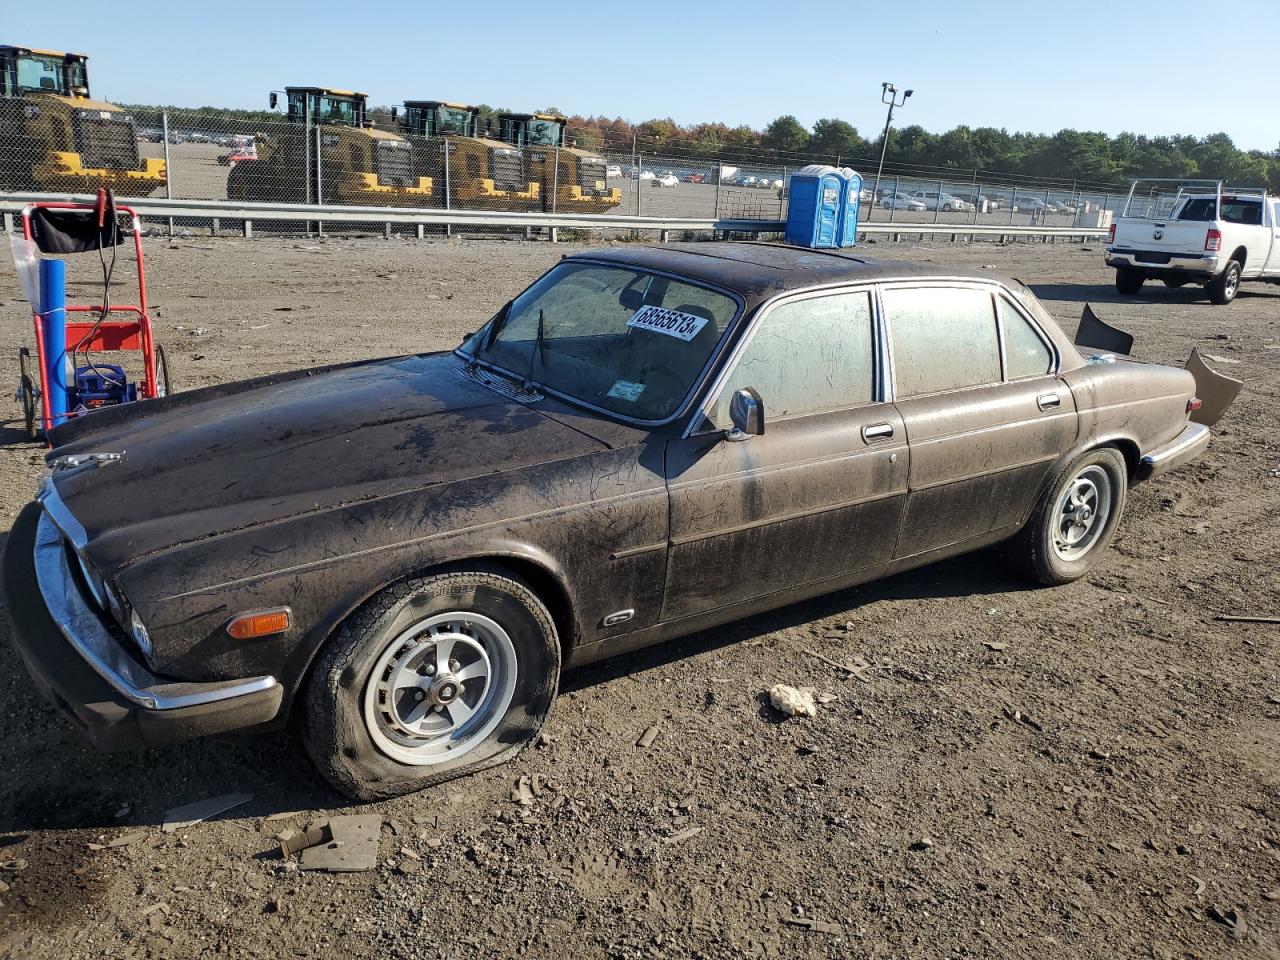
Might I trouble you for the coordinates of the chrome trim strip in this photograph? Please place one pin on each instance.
(57, 511)
(1191, 434)
(86, 633)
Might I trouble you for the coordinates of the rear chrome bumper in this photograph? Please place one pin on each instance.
(1185, 447)
(85, 670)
(1204, 265)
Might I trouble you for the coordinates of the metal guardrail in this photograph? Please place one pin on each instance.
(246, 214)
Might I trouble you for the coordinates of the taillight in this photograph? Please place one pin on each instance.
(1213, 239)
(1194, 404)
(1111, 234)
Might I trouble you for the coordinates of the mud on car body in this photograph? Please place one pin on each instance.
(404, 554)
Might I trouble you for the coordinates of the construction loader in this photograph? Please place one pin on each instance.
(54, 137)
(327, 152)
(574, 184)
(482, 173)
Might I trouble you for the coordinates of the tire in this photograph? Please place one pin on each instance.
(27, 396)
(163, 385)
(1223, 288)
(370, 745)
(1053, 548)
(946, 208)
(1128, 281)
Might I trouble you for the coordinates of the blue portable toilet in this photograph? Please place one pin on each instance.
(816, 201)
(847, 233)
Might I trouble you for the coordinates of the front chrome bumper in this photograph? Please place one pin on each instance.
(84, 629)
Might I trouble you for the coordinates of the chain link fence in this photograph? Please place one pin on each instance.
(196, 154)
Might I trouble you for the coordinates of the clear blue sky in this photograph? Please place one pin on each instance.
(1037, 65)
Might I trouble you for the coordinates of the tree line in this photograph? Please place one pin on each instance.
(1087, 157)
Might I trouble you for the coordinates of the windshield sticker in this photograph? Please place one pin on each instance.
(682, 326)
(626, 390)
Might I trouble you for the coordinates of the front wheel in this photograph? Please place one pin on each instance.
(431, 679)
(1128, 280)
(1074, 520)
(1222, 289)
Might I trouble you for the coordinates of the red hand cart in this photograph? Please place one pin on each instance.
(114, 326)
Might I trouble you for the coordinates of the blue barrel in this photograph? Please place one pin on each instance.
(53, 321)
(848, 230)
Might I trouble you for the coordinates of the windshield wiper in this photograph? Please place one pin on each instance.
(539, 350)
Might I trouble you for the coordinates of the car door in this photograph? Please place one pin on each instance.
(1273, 255)
(814, 498)
(986, 416)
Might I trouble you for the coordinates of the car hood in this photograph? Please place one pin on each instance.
(306, 443)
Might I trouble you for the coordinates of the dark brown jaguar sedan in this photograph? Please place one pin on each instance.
(406, 553)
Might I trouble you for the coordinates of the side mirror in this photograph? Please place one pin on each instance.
(746, 411)
(274, 100)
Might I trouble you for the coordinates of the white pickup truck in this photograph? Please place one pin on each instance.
(1182, 232)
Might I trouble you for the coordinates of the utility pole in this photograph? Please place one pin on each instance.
(889, 95)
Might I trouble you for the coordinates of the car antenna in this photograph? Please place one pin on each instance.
(538, 348)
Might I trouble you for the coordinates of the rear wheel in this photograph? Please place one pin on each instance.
(163, 385)
(27, 395)
(1074, 520)
(1128, 280)
(1223, 288)
(431, 679)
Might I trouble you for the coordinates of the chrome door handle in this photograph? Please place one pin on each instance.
(1047, 401)
(877, 431)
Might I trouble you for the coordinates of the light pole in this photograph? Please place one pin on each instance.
(889, 95)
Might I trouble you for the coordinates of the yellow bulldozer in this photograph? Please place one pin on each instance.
(54, 137)
(357, 163)
(577, 182)
(483, 173)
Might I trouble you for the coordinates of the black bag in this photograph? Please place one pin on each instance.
(74, 231)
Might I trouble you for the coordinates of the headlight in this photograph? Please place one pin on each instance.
(140, 635)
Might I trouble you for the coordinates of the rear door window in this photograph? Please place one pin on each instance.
(1025, 354)
(942, 338)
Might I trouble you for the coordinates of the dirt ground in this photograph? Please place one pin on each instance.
(1087, 771)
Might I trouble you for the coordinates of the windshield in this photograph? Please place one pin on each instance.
(544, 132)
(324, 108)
(618, 338)
(453, 121)
(37, 74)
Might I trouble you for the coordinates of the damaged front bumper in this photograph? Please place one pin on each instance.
(77, 662)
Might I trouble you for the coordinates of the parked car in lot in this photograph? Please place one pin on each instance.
(900, 201)
(402, 555)
(613, 172)
(1204, 233)
(238, 154)
(647, 174)
(1028, 204)
(695, 178)
(946, 202)
(667, 179)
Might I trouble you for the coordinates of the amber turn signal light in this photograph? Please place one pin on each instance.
(260, 623)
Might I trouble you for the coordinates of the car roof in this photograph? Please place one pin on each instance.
(758, 270)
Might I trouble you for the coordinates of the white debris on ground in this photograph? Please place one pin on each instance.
(793, 701)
